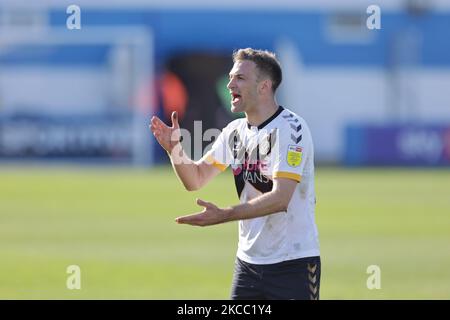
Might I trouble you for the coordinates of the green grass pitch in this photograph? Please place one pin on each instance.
(118, 226)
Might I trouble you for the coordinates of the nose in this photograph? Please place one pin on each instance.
(230, 84)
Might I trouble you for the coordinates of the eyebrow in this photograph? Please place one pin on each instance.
(236, 74)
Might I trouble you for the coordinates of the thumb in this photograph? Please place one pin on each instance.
(202, 203)
(175, 120)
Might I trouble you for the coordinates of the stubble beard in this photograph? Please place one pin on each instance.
(237, 109)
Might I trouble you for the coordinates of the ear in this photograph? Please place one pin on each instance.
(266, 86)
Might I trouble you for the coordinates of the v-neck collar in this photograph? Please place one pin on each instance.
(266, 122)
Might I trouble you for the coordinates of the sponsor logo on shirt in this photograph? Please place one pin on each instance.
(294, 155)
(252, 172)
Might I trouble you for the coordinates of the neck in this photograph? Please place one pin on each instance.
(261, 113)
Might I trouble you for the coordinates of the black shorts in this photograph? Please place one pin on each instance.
(297, 279)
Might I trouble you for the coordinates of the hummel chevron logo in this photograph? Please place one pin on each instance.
(296, 139)
(296, 128)
(313, 282)
(312, 267)
(313, 289)
(290, 118)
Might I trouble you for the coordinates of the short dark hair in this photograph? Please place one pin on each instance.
(265, 61)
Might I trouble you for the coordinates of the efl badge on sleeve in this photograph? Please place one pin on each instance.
(294, 155)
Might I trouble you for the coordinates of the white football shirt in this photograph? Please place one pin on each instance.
(281, 147)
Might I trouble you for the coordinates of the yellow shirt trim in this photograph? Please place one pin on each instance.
(210, 159)
(288, 175)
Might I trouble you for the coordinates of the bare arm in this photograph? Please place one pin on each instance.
(193, 175)
(276, 200)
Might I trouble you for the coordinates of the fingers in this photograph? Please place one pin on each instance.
(155, 130)
(175, 120)
(164, 133)
(157, 122)
(157, 134)
(192, 219)
(158, 127)
(209, 216)
(205, 204)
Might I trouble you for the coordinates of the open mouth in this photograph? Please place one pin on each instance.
(236, 97)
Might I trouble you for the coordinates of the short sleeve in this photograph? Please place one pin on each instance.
(219, 154)
(292, 150)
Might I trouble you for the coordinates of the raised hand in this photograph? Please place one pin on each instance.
(168, 137)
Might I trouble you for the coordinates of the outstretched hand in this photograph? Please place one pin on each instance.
(210, 215)
(168, 137)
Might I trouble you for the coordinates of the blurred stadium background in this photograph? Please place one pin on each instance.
(83, 182)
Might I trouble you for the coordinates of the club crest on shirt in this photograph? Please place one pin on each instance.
(294, 155)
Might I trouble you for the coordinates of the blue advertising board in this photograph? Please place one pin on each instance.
(95, 137)
(415, 145)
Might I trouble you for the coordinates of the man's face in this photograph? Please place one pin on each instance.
(243, 86)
